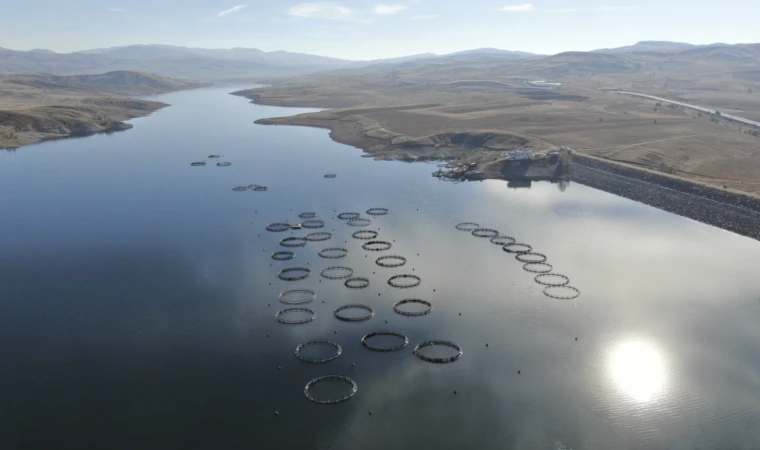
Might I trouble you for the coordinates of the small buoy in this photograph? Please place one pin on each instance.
(336, 331)
(518, 372)
(277, 413)
(386, 321)
(353, 364)
(486, 344)
(269, 335)
(576, 339)
(279, 367)
(370, 412)
(378, 294)
(433, 290)
(460, 314)
(455, 392)
(323, 301)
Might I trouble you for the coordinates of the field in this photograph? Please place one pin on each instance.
(392, 108)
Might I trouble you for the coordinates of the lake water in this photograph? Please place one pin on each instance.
(137, 294)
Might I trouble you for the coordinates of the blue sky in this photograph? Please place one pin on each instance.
(359, 29)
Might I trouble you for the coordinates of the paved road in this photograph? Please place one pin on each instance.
(695, 107)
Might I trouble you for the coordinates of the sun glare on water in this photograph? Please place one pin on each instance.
(639, 370)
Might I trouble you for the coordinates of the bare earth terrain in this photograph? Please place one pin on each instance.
(36, 107)
(474, 110)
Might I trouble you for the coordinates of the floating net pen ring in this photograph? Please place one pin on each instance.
(348, 215)
(422, 345)
(517, 248)
(378, 211)
(385, 333)
(333, 253)
(330, 275)
(467, 226)
(278, 317)
(551, 291)
(331, 401)
(538, 267)
(531, 257)
(307, 215)
(503, 240)
(278, 227)
(313, 223)
(285, 274)
(388, 261)
(377, 246)
(283, 256)
(339, 316)
(318, 236)
(293, 242)
(395, 281)
(360, 222)
(413, 313)
(357, 283)
(485, 233)
(545, 279)
(365, 235)
(283, 298)
(335, 345)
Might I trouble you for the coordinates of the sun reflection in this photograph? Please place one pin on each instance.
(638, 369)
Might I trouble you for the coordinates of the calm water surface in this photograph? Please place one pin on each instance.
(135, 295)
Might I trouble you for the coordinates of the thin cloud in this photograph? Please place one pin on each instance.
(525, 7)
(232, 10)
(322, 10)
(597, 9)
(117, 10)
(426, 17)
(387, 10)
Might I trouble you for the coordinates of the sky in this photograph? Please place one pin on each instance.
(360, 29)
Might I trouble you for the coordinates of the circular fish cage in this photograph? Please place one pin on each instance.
(407, 301)
(330, 401)
(198, 164)
(335, 345)
(348, 215)
(240, 188)
(307, 215)
(260, 188)
(467, 226)
(333, 253)
(485, 233)
(293, 242)
(385, 333)
(360, 222)
(365, 235)
(357, 283)
(531, 257)
(313, 223)
(291, 297)
(224, 164)
(214, 156)
(278, 227)
(503, 240)
(377, 246)
(378, 211)
(396, 282)
(390, 261)
(564, 292)
(337, 273)
(552, 279)
(294, 274)
(517, 248)
(283, 256)
(285, 321)
(330, 175)
(538, 267)
(318, 236)
(450, 359)
(364, 318)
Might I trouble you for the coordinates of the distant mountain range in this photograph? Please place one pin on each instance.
(252, 63)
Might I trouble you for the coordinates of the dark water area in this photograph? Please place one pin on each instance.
(138, 295)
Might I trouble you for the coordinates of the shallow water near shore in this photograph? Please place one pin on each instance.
(138, 295)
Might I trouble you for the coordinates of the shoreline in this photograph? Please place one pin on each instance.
(729, 210)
